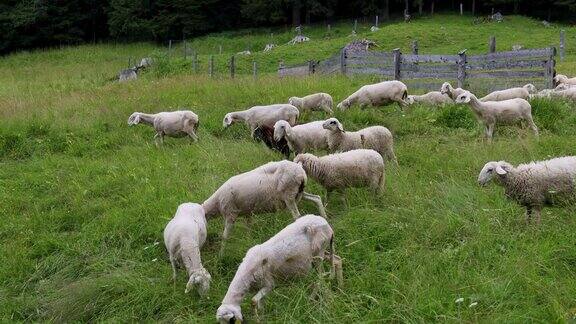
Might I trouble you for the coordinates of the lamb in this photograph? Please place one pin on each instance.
(504, 112)
(318, 101)
(377, 94)
(288, 254)
(351, 169)
(523, 93)
(378, 138)
(184, 236)
(561, 78)
(272, 186)
(178, 123)
(451, 92)
(535, 184)
(302, 138)
(263, 116)
(435, 98)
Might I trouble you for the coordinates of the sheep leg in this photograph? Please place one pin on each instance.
(173, 263)
(193, 136)
(532, 126)
(391, 156)
(257, 301)
(159, 138)
(293, 208)
(228, 223)
(528, 214)
(336, 267)
(537, 215)
(489, 132)
(316, 200)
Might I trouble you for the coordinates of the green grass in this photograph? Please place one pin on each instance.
(84, 198)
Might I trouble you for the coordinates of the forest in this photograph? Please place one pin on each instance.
(28, 24)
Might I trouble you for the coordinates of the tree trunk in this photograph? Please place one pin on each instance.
(386, 9)
(473, 7)
(516, 3)
(296, 5)
(420, 5)
(432, 8)
(307, 16)
(407, 6)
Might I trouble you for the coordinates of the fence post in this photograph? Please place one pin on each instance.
(549, 69)
(184, 49)
(211, 66)
(355, 25)
(195, 62)
(397, 61)
(310, 67)
(461, 68)
(129, 62)
(329, 28)
(219, 49)
(232, 67)
(376, 21)
(169, 48)
(415, 47)
(254, 70)
(461, 8)
(492, 45)
(281, 68)
(562, 44)
(343, 61)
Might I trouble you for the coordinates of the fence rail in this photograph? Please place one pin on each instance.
(530, 65)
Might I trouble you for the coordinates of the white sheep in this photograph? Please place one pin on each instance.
(128, 75)
(302, 138)
(318, 101)
(561, 78)
(184, 236)
(351, 169)
(377, 138)
(535, 184)
(450, 91)
(265, 116)
(512, 93)
(178, 123)
(564, 86)
(544, 93)
(270, 187)
(491, 113)
(435, 98)
(288, 254)
(377, 94)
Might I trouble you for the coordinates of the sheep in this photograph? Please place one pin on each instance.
(184, 236)
(378, 138)
(501, 95)
(561, 78)
(178, 123)
(564, 86)
(266, 135)
(377, 94)
(569, 93)
(318, 101)
(263, 116)
(451, 92)
(269, 187)
(535, 184)
(351, 169)
(431, 98)
(545, 93)
(504, 112)
(288, 254)
(302, 138)
(128, 75)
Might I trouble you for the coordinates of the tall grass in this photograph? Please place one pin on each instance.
(84, 200)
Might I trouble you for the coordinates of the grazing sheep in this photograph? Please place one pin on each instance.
(351, 169)
(290, 253)
(266, 135)
(318, 101)
(128, 75)
(270, 187)
(184, 236)
(377, 138)
(512, 93)
(377, 94)
(435, 98)
(564, 86)
(302, 138)
(491, 113)
(569, 93)
(451, 92)
(561, 78)
(545, 93)
(263, 116)
(178, 123)
(535, 184)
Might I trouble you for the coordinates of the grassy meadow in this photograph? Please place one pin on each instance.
(84, 198)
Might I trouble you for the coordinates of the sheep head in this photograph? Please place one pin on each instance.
(410, 100)
(345, 104)
(200, 278)
(560, 78)
(333, 124)
(294, 101)
(446, 88)
(490, 169)
(228, 313)
(464, 97)
(562, 86)
(134, 119)
(530, 88)
(280, 129)
(303, 157)
(228, 120)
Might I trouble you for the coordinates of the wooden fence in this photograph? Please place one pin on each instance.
(522, 66)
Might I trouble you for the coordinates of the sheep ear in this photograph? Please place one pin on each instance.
(500, 170)
(310, 231)
(340, 127)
